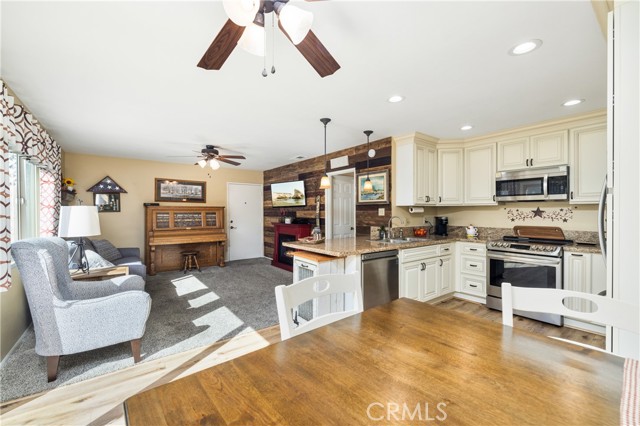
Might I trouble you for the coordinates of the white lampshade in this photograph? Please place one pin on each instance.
(241, 12)
(215, 165)
(296, 22)
(202, 163)
(78, 221)
(252, 40)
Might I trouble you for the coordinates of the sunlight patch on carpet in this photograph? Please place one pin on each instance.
(187, 284)
(203, 300)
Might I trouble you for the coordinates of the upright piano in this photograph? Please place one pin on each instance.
(170, 230)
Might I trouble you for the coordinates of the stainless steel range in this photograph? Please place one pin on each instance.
(524, 262)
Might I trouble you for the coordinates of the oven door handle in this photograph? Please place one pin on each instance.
(545, 186)
(534, 260)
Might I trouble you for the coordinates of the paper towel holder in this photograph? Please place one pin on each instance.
(416, 209)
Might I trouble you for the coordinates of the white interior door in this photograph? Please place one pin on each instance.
(343, 207)
(244, 221)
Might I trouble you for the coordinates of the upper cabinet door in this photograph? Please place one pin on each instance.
(415, 172)
(549, 149)
(450, 174)
(420, 176)
(588, 163)
(431, 175)
(513, 154)
(480, 175)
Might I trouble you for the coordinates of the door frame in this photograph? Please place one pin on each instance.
(228, 217)
(328, 201)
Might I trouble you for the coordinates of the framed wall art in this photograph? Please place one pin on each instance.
(106, 195)
(380, 193)
(186, 191)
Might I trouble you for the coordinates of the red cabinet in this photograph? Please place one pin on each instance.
(285, 232)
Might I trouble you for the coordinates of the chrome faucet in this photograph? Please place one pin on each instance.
(390, 225)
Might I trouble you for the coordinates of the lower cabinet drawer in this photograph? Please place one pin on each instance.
(473, 265)
(418, 253)
(473, 285)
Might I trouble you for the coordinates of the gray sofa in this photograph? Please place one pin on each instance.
(130, 256)
(71, 317)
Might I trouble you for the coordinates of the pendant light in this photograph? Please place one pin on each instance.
(325, 182)
(368, 186)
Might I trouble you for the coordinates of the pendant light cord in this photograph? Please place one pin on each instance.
(368, 133)
(273, 43)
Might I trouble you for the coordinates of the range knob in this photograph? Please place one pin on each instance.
(550, 248)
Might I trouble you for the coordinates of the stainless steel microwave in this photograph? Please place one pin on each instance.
(551, 183)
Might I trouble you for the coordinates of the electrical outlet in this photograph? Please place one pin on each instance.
(381, 211)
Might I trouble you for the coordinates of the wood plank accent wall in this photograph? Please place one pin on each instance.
(311, 172)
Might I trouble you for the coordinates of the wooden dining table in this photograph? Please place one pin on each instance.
(405, 362)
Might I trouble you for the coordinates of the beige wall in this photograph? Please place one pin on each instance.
(14, 314)
(126, 228)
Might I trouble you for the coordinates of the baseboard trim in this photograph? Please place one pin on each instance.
(470, 298)
(15, 345)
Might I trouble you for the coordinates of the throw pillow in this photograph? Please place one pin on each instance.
(107, 250)
(97, 261)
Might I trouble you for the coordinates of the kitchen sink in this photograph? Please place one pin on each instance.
(398, 240)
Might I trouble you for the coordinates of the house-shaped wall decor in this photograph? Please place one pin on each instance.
(106, 195)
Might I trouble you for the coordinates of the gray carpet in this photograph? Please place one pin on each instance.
(187, 311)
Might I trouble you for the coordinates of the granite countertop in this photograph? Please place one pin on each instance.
(361, 245)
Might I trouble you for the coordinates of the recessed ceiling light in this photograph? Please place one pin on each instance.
(396, 98)
(466, 127)
(573, 102)
(526, 47)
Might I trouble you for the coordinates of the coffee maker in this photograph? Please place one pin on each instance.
(441, 225)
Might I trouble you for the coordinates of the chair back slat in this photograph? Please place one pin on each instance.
(607, 311)
(291, 296)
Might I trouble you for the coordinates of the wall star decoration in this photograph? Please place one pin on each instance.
(554, 215)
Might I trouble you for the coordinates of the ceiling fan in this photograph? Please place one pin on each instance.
(210, 155)
(245, 27)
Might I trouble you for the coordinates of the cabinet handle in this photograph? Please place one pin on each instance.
(572, 195)
(473, 265)
(575, 254)
(527, 162)
(531, 162)
(445, 249)
(441, 262)
(423, 266)
(494, 197)
(428, 199)
(472, 249)
(302, 265)
(473, 285)
(439, 199)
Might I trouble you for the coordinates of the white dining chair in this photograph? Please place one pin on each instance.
(606, 311)
(289, 297)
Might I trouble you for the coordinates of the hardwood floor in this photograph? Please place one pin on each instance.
(98, 401)
(530, 325)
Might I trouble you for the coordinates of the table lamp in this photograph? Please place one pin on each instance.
(79, 221)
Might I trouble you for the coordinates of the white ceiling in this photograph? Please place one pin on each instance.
(120, 78)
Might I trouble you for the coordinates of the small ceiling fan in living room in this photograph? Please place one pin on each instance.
(211, 155)
(246, 28)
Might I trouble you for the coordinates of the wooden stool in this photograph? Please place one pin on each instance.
(190, 261)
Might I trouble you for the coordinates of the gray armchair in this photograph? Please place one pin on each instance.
(71, 317)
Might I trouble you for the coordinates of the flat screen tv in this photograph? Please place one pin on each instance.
(288, 194)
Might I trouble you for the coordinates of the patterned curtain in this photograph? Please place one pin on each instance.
(8, 135)
(22, 133)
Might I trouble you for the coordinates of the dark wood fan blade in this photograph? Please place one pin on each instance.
(222, 46)
(316, 54)
(228, 161)
(241, 157)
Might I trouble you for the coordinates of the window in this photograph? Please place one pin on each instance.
(24, 181)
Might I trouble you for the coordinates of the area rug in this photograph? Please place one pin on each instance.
(187, 311)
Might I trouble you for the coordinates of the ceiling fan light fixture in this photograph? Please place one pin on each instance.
(215, 165)
(202, 163)
(253, 37)
(295, 21)
(241, 12)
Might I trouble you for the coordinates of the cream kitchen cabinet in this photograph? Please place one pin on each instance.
(472, 270)
(480, 175)
(586, 273)
(588, 163)
(306, 265)
(426, 272)
(543, 150)
(450, 176)
(415, 178)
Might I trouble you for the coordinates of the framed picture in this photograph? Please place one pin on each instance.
(380, 193)
(187, 191)
(107, 202)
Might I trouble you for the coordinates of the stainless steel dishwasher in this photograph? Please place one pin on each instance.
(379, 278)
